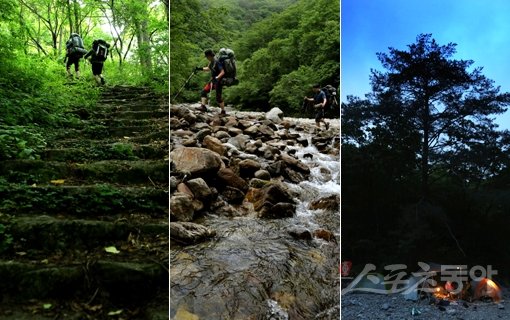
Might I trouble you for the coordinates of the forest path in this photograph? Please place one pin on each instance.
(101, 184)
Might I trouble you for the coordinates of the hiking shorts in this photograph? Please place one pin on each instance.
(97, 68)
(214, 86)
(73, 60)
(319, 115)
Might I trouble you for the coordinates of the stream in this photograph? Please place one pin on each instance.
(254, 269)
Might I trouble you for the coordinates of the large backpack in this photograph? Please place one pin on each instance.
(100, 48)
(74, 46)
(227, 58)
(330, 92)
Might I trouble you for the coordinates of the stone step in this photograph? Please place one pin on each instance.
(46, 233)
(114, 151)
(84, 201)
(123, 114)
(102, 131)
(151, 105)
(132, 283)
(115, 171)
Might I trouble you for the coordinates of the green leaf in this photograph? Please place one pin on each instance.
(47, 306)
(111, 249)
(115, 313)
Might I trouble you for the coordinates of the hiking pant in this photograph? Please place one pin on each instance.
(319, 115)
(214, 86)
(97, 68)
(73, 60)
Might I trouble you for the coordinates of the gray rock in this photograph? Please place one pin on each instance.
(239, 141)
(200, 189)
(233, 195)
(275, 115)
(214, 144)
(200, 135)
(181, 207)
(229, 178)
(262, 174)
(195, 161)
(188, 232)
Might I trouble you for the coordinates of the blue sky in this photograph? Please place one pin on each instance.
(481, 30)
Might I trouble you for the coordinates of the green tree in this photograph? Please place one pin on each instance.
(448, 104)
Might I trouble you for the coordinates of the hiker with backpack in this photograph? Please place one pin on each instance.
(320, 101)
(74, 52)
(217, 73)
(98, 55)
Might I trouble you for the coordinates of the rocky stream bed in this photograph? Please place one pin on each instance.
(254, 211)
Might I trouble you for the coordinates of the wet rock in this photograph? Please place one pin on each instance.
(331, 203)
(200, 189)
(300, 233)
(222, 135)
(234, 131)
(214, 144)
(277, 211)
(173, 183)
(195, 161)
(293, 176)
(181, 207)
(252, 131)
(239, 141)
(183, 112)
(294, 163)
(266, 131)
(303, 141)
(183, 188)
(262, 174)
(275, 169)
(231, 122)
(189, 232)
(275, 312)
(324, 234)
(286, 124)
(200, 135)
(244, 124)
(231, 150)
(248, 167)
(308, 156)
(227, 176)
(190, 143)
(272, 193)
(275, 115)
(233, 195)
(258, 183)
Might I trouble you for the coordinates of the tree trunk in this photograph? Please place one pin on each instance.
(69, 16)
(76, 17)
(425, 151)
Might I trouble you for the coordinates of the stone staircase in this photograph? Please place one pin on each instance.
(84, 230)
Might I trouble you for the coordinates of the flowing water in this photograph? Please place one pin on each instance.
(253, 268)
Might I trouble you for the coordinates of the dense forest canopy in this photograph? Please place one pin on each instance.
(34, 90)
(282, 48)
(424, 167)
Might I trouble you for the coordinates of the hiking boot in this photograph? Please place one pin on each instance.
(202, 108)
(327, 125)
(223, 113)
(103, 81)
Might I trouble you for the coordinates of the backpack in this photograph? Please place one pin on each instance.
(227, 58)
(330, 92)
(74, 46)
(100, 48)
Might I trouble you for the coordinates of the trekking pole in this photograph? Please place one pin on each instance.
(184, 85)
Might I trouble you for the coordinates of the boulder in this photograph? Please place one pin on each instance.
(181, 207)
(258, 183)
(262, 174)
(229, 178)
(183, 188)
(173, 183)
(222, 135)
(266, 131)
(214, 144)
(195, 161)
(233, 195)
(235, 131)
(275, 168)
(294, 163)
(275, 115)
(248, 167)
(239, 141)
(300, 233)
(252, 131)
(330, 203)
(189, 233)
(200, 135)
(200, 189)
(183, 113)
(277, 211)
(272, 193)
(324, 234)
(293, 176)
